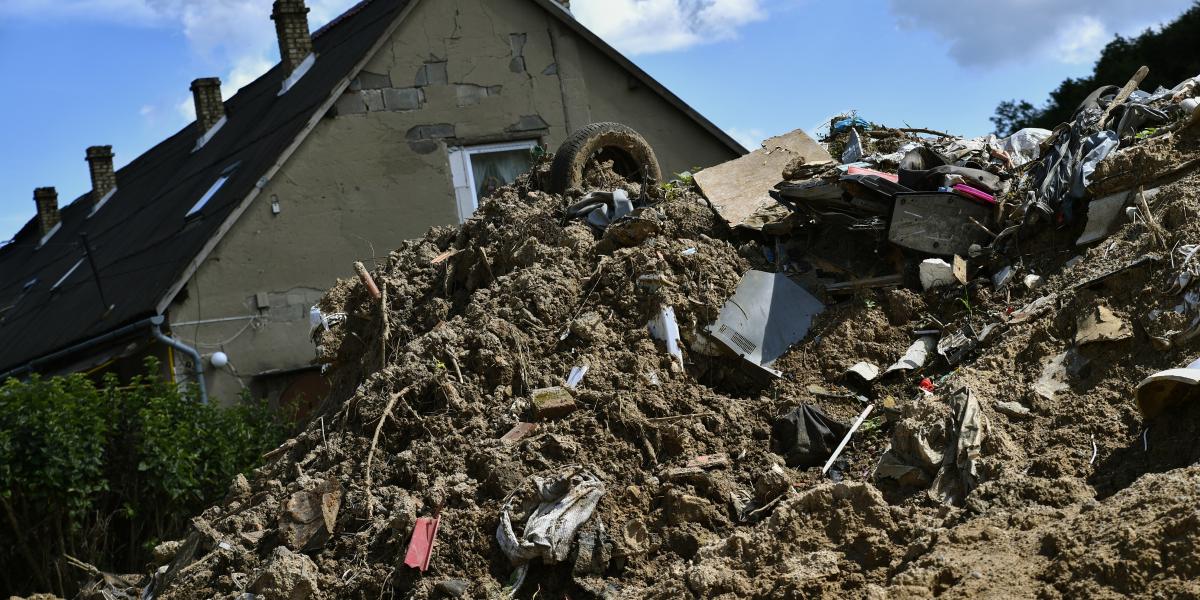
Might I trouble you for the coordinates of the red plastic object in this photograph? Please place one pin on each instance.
(973, 193)
(927, 385)
(420, 547)
(880, 174)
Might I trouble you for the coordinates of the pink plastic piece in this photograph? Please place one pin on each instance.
(420, 547)
(976, 194)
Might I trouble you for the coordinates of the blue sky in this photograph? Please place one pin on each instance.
(86, 72)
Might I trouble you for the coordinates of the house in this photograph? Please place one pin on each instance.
(392, 118)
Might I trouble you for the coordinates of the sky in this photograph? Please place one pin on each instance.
(89, 72)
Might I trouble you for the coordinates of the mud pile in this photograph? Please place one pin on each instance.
(1069, 493)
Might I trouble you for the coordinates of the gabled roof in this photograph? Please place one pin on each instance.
(142, 240)
(145, 245)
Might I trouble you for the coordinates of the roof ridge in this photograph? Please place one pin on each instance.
(342, 17)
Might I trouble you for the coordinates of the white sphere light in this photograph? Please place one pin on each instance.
(218, 359)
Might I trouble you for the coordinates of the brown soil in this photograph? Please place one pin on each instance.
(526, 296)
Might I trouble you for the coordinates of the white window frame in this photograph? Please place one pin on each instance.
(463, 174)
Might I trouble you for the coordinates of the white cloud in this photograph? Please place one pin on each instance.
(1009, 31)
(648, 26)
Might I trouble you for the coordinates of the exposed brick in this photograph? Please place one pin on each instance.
(403, 98)
(100, 166)
(469, 94)
(291, 29)
(432, 73)
(373, 81)
(46, 199)
(206, 93)
(373, 99)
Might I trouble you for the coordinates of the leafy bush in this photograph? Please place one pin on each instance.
(104, 472)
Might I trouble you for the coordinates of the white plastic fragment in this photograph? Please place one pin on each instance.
(865, 371)
(936, 272)
(665, 328)
(1033, 282)
(688, 252)
(916, 355)
(576, 376)
(842, 446)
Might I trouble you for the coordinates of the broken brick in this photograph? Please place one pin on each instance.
(552, 403)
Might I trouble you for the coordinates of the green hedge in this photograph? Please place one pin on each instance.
(103, 472)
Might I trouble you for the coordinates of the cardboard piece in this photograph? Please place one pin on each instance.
(739, 188)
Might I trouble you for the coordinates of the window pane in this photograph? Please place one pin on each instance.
(495, 169)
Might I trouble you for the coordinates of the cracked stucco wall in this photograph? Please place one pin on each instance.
(376, 170)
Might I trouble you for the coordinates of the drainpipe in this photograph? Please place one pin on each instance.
(156, 328)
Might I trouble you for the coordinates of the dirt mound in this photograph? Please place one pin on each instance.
(1014, 465)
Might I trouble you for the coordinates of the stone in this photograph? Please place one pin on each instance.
(453, 588)
(309, 516)
(552, 403)
(517, 433)
(287, 576)
(1012, 409)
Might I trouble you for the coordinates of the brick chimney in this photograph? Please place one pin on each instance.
(46, 199)
(206, 92)
(100, 164)
(291, 27)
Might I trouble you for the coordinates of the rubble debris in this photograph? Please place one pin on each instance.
(1012, 409)
(846, 439)
(420, 546)
(1168, 388)
(551, 403)
(915, 356)
(517, 433)
(938, 223)
(525, 294)
(936, 272)
(766, 315)
(806, 436)
(287, 576)
(567, 500)
(665, 328)
(1101, 325)
(309, 517)
(863, 372)
(739, 188)
(1053, 378)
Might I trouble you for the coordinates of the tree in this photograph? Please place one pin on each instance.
(1012, 116)
(1172, 53)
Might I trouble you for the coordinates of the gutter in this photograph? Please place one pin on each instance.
(155, 325)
